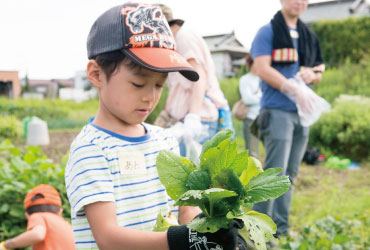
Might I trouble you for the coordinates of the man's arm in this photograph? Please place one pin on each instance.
(109, 235)
(275, 79)
(267, 73)
(29, 238)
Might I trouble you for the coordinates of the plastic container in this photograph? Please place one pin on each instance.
(225, 120)
(25, 122)
(37, 132)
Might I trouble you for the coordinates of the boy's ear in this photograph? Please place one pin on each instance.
(94, 73)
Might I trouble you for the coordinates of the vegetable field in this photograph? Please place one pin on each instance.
(330, 208)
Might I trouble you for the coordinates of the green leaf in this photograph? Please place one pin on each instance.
(4, 208)
(216, 159)
(208, 225)
(254, 168)
(163, 224)
(173, 173)
(199, 180)
(259, 226)
(191, 198)
(227, 179)
(267, 186)
(30, 157)
(216, 194)
(215, 140)
(240, 163)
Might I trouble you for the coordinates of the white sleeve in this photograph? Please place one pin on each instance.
(88, 177)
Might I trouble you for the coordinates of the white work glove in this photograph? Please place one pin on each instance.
(176, 130)
(304, 99)
(192, 126)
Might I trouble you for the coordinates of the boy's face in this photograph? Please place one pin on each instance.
(129, 96)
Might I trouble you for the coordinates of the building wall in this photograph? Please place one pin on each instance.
(218, 59)
(335, 10)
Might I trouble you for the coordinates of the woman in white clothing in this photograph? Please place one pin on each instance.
(250, 91)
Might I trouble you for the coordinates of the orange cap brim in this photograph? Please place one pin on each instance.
(162, 60)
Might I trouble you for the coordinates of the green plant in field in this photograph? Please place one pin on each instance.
(10, 127)
(345, 130)
(20, 172)
(332, 233)
(224, 186)
(57, 113)
(347, 78)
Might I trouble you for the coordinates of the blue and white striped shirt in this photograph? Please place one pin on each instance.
(94, 173)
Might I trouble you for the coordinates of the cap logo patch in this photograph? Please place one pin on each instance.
(148, 27)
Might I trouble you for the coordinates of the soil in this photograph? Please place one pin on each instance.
(60, 142)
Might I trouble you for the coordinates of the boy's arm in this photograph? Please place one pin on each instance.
(109, 235)
(187, 214)
(29, 238)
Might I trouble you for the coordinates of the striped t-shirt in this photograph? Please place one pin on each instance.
(105, 166)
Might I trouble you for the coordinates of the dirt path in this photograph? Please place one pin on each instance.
(60, 142)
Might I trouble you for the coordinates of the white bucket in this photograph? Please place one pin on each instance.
(37, 132)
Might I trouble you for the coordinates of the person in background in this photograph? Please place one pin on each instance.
(197, 105)
(46, 229)
(250, 91)
(111, 176)
(282, 50)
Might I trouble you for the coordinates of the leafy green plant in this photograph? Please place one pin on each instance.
(347, 78)
(57, 113)
(224, 186)
(20, 172)
(10, 126)
(332, 233)
(345, 130)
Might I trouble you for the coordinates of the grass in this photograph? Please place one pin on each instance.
(319, 192)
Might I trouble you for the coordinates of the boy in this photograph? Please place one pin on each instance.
(111, 176)
(46, 229)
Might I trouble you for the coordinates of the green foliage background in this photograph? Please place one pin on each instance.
(345, 130)
(10, 126)
(348, 78)
(21, 171)
(341, 40)
(57, 113)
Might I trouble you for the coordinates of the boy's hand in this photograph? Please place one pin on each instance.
(183, 238)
